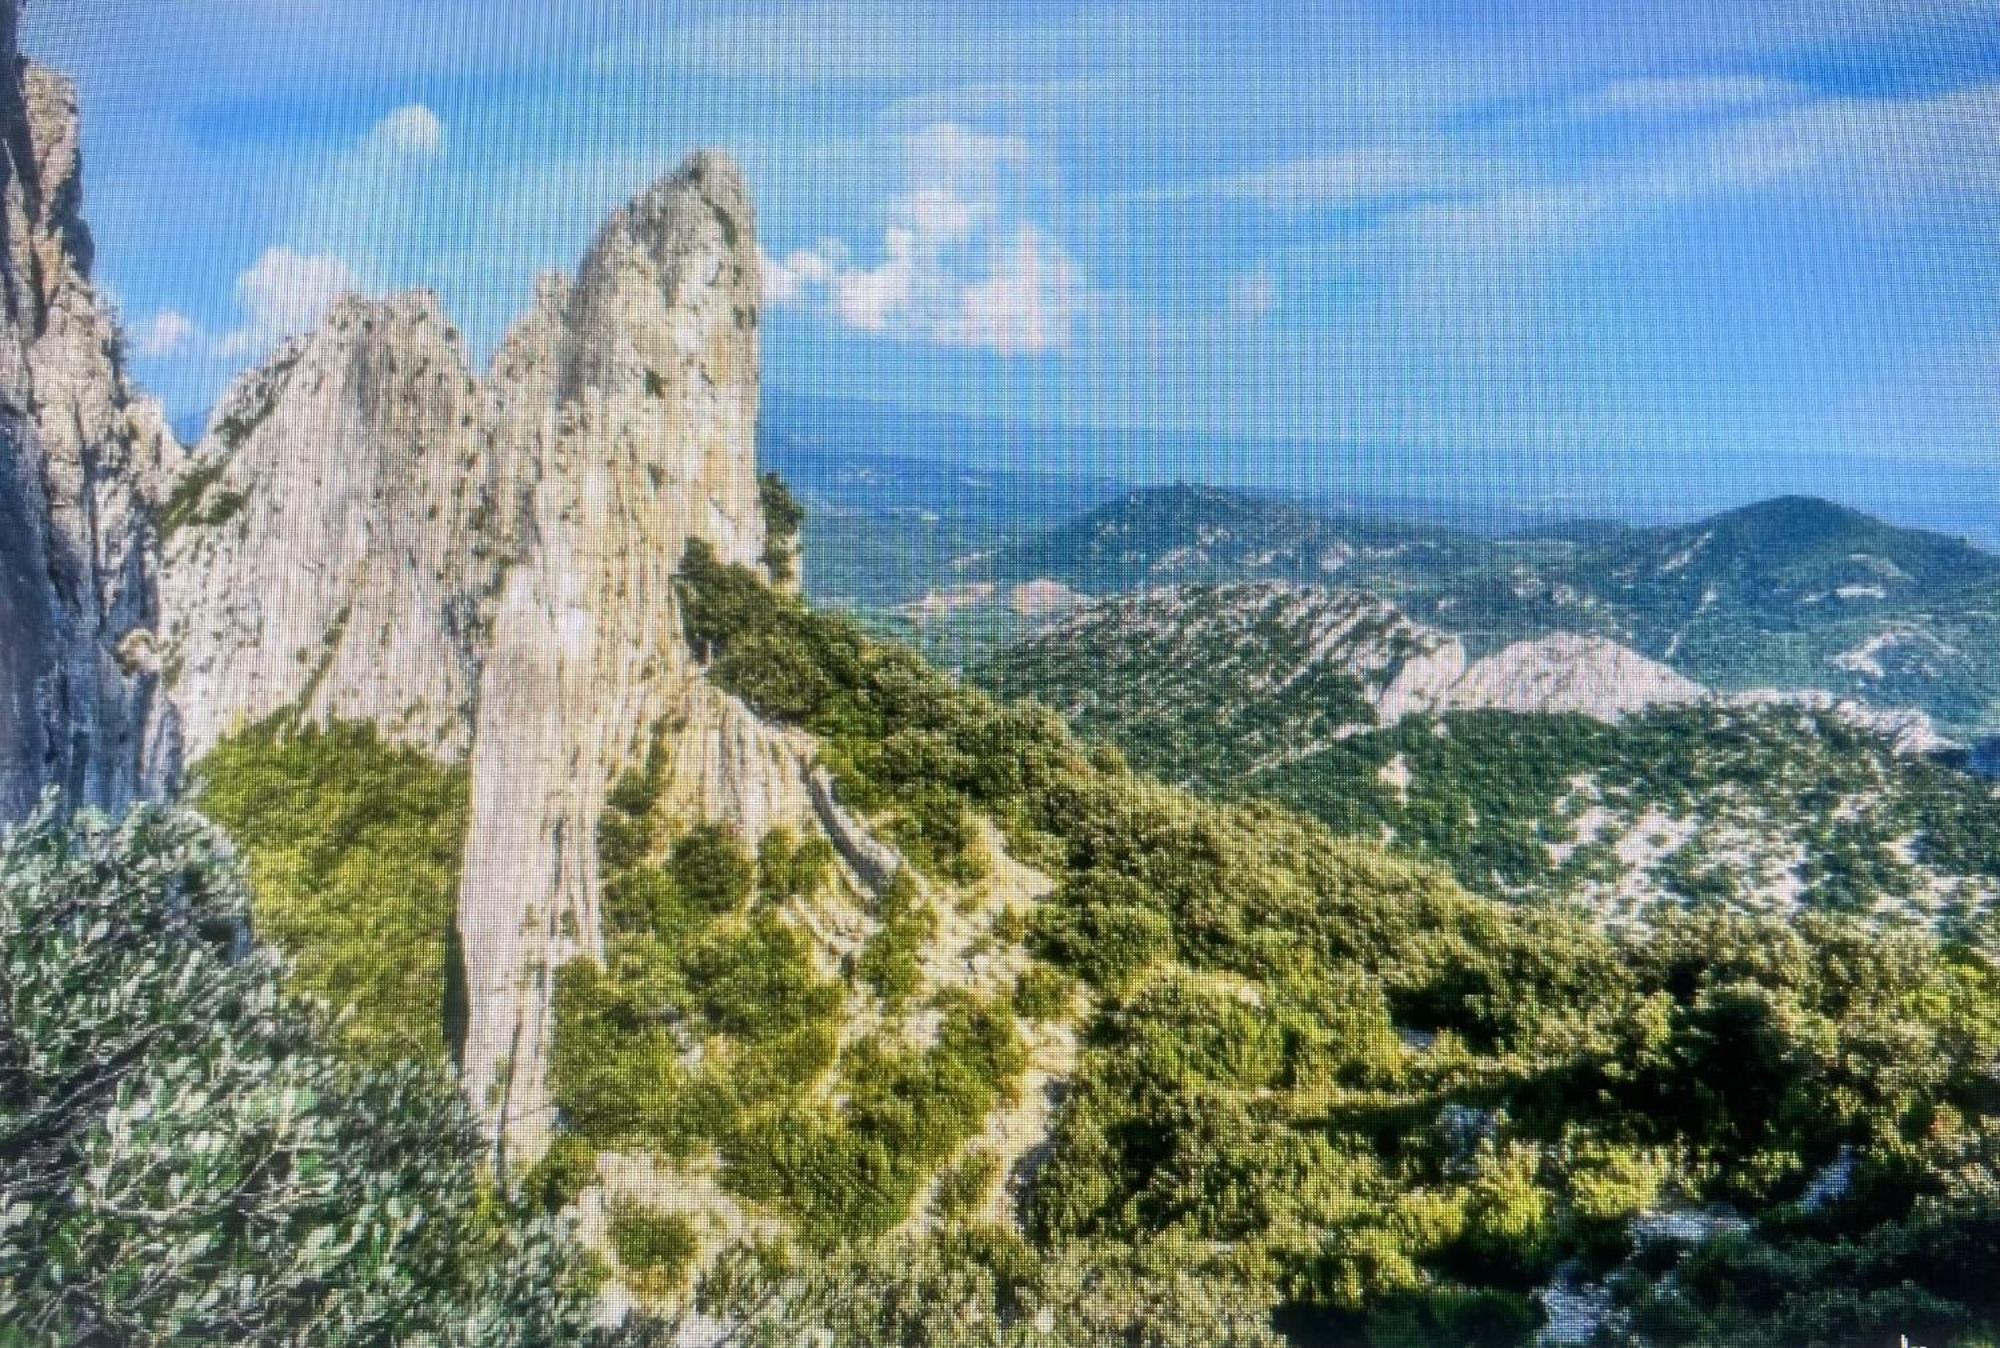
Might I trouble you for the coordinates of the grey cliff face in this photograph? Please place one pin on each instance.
(648, 441)
(80, 454)
(484, 569)
(336, 541)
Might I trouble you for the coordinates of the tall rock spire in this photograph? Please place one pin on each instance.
(652, 360)
(484, 569)
(80, 453)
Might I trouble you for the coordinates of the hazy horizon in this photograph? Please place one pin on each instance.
(1457, 249)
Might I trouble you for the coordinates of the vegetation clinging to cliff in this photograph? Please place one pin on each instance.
(1399, 1108)
(354, 847)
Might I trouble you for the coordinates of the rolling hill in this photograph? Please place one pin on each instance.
(1791, 593)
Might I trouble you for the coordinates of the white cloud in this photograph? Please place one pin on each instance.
(285, 293)
(1028, 302)
(788, 279)
(410, 130)
(876, 298)
(960, 264)
(1361, 176)
(1253, 296)
(167, 333)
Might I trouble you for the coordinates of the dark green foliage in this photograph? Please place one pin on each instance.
(191, 502)
(711, 868)
(789, 867)
(692, 960)
(903, 739)
(656, 1248)
(612, 1062)
(1213, 688)
(853, 1173)
(1043, 993)
(889, 962)
(354, 849)
(784, 517)
(186, 1158)
(1402, 1108)
(565, 1170)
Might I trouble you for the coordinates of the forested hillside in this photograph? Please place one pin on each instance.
(1790, 593)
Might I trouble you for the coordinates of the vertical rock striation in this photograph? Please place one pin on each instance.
(646, 440)
(485, 569)
(336, 542)
(80, 455)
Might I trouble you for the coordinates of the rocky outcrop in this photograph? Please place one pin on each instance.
(645, 440)
(1274, 643)
(729, 764)
(80, 453)
(1563, 672)
(336, 542)
(485, 568)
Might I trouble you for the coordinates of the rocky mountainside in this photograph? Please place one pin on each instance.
(483, 568)
(1797, 592)
(1234, 678)
(80, 453)
(1793, 593)
(1560, 766)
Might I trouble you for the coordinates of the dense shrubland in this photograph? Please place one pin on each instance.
(709, 1024)
(189, 1156)
(1349, 1087)
(1321, 1087)
(353, 847)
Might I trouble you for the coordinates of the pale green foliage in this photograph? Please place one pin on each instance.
(353, 846)
(981, 1288)
(185, 1159)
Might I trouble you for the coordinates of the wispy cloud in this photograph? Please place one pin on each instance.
(1693, 94)
(960, 262)
(283, 294)
(1361, 176)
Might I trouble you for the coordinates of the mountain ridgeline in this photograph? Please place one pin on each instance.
(1789, 593)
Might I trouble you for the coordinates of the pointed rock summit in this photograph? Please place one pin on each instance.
(650, 441)
(80, 453)
(483, 568)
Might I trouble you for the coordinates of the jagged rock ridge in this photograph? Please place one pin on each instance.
(336, 542)
(80, 453)
(484, 568)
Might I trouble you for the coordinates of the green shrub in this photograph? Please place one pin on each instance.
(711, 868)
(784, 517)
(564, 1171)
(962, 1187)
(890, 963)
(188, 1159)
(789, 867)
(656, 1248)
(613, 1066)
(354, 850)
(1043, 992)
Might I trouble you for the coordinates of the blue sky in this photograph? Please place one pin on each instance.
(1740, 228)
